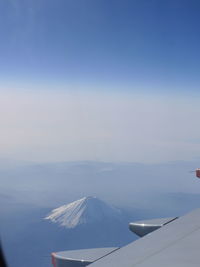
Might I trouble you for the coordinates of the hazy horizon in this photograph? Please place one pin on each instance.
(110, 126)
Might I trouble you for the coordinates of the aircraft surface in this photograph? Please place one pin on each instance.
(168, 242)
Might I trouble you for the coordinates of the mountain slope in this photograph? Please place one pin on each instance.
(84, 211)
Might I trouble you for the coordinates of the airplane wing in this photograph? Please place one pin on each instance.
(176, 244)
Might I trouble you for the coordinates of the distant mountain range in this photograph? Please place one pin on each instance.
(52, 184)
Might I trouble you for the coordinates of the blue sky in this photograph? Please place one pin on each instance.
(104, 79)
(137, 43)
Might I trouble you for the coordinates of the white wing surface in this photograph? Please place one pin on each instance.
(177, 244)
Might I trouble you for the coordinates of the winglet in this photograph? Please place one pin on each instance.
(198, 173)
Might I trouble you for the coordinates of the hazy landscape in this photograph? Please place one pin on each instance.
(29, 192)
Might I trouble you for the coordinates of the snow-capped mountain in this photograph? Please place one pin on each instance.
(84, 211)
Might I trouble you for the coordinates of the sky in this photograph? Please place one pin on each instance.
(100, 80)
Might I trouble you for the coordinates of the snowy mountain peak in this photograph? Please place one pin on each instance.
(83, 211)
